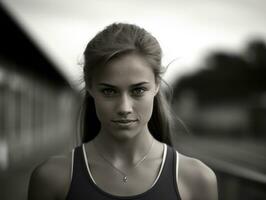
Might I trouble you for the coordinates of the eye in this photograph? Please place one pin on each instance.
(108, 92)
(138, 91)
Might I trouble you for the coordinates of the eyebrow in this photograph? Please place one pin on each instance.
(133, 85)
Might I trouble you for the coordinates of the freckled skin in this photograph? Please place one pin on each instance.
(123, 73)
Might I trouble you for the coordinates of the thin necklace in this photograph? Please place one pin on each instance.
(125, 176)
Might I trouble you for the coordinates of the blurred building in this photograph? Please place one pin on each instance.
(38, 109)
(227, 97)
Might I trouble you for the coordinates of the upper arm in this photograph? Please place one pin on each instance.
(50, 180)
(206, 178)
(40, 186)
(196, 180)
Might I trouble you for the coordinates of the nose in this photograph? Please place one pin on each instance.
(124, 107)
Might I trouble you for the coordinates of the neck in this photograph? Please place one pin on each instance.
(126, 151)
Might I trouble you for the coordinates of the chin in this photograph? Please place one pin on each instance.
(124, 135)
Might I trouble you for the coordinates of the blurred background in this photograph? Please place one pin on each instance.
(215, 53)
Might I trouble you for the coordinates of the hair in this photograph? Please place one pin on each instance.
(116, 40)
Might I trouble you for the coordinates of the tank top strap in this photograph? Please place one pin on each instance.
(177, 164)
(168, 174)
(80, 181)
(77, 162)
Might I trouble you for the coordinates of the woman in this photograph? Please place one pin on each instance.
(126, 129)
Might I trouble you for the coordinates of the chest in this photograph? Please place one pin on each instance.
(153, 179)
(138, 180)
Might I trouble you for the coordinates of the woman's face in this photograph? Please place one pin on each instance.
(123, 92)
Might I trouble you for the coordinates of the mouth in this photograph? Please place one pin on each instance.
(124, 123)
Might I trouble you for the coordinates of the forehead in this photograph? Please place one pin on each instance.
(125, 70)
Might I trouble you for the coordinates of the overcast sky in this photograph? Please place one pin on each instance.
(187, 30)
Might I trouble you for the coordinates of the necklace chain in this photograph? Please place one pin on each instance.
(125, 176)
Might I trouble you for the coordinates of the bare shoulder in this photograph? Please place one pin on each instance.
(196, 180)
(51, 179)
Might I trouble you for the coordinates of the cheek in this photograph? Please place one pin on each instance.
(103, 110)
(145, 108)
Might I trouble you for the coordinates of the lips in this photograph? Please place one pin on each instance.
(124, 121)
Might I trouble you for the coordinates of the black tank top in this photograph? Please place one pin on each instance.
(82, 186)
